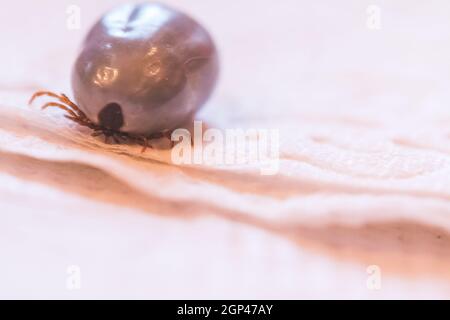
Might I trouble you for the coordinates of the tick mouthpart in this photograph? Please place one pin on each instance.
(111, 116)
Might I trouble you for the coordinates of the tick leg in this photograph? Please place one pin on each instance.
(81, 121)
(115, 138)
(74, 107)
(43, 93)
(96, 133)
(145, 144)
(168, 135)
(75, 114)
(60, 106)
(63, 99)
(123, 136)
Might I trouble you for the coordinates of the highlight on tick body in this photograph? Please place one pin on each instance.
(229, 147)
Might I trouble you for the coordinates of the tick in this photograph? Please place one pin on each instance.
(143, 70)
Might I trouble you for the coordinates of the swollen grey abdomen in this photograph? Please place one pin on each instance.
(144, 69)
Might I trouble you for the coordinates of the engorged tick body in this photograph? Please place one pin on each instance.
(143, 70)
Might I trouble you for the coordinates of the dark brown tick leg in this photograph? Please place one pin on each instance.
(116, 139)
(96, 133)
(75, 114)
(145, 145)
(168, 135)
(59, 105)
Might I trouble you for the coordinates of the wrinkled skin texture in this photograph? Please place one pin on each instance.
(144, 69)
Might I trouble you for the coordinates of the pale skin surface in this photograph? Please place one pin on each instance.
(364, 163)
